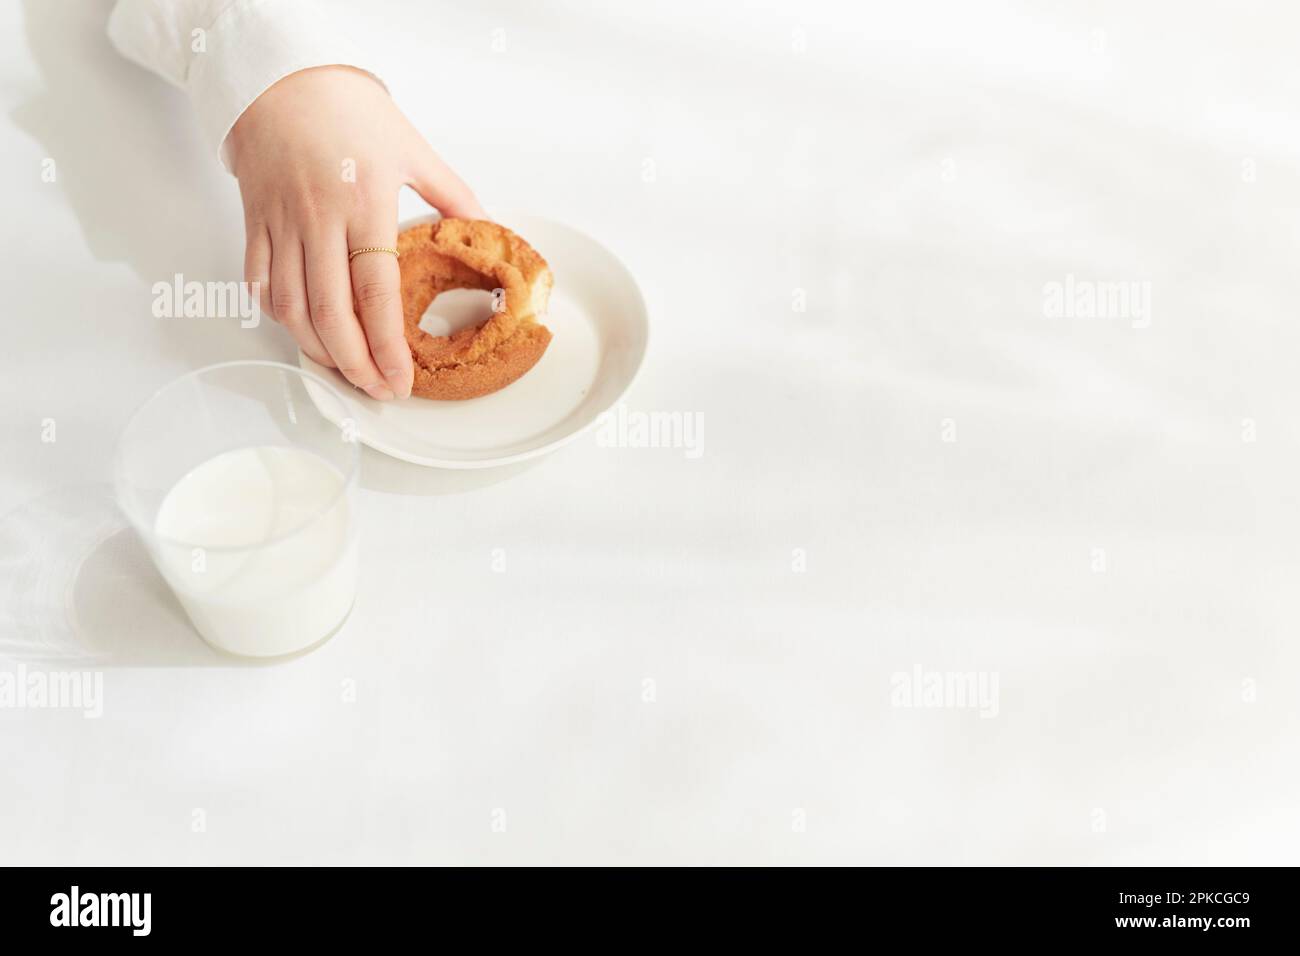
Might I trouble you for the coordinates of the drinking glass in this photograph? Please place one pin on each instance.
(245, 496)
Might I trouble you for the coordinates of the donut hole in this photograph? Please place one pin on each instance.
(456, 309)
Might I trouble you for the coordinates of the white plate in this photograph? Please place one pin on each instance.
(599, 328)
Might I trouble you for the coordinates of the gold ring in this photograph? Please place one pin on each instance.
(356, 252)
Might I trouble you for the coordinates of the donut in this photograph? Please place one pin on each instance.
(472, 254)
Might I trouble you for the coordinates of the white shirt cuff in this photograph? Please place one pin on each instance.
(229, 52)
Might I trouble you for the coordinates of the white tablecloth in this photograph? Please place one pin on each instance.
(846, 221)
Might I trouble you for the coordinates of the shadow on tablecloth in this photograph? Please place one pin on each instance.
(77, 587)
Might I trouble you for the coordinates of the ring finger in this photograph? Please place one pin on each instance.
(329, 297)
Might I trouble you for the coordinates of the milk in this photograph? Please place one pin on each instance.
(258, 545)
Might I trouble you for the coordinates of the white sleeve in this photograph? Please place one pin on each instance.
(225, 53)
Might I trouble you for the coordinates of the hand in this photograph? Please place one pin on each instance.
(320, 157)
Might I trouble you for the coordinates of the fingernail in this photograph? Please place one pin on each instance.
(394, 376)
(381, 392)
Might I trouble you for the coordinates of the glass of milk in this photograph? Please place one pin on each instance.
(245, 494)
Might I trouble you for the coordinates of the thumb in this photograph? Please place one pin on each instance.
(443, 189)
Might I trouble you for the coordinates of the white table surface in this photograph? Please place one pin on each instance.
(921, 171)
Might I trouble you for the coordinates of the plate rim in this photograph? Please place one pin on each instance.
(308, 364)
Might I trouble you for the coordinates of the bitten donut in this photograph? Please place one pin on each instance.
(472, 254)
